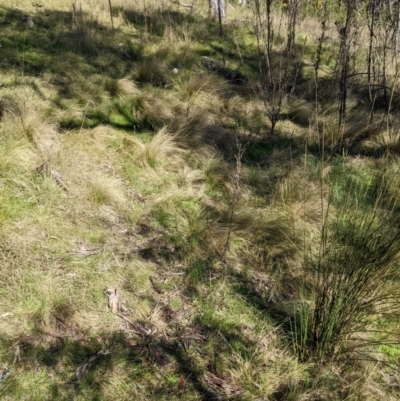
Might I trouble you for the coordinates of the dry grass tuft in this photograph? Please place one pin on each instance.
(301, 112)
(202, 132)
(127, 86)
(191, 179)
(17, 156)
(200, 91)
(155, 110)
(103, 190)
(150, 71)
(44, 136)
(8, 105)
(189, 87)
(162, 151)
(121, 87)
(70, 115)
(27, 123)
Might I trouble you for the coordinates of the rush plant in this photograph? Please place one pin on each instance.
(355, 273)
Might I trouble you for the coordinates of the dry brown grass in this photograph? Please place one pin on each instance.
(155, 109)
(157, 203)
(161, 151)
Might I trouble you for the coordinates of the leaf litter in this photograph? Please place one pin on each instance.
(83, 368)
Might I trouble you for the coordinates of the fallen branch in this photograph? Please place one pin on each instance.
(186, 5)
(155, 285)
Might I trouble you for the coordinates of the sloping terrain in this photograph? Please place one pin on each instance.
(160, 241)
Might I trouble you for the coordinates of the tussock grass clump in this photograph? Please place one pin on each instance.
(182, 214)
(70, 115)
(203, 92)
(203, 133)
(358, 136)
(16, 157)
(103, 190)
(194, 84)
(44, 136)
(154, 110)
(150, 71)
(149, 110)
(22, 124)
(191, 179)
(258, 239)
(120, 87)
(8, 105)
(162, 151)
(84, 87)
(301, 112)
(385, 142)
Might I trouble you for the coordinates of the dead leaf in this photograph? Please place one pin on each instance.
(58, 178)
(138, 327)
(17, 355)
(141, 329)
(83, 368)
(219, 385)
(181, 385)
(186, 343)
(114, 302)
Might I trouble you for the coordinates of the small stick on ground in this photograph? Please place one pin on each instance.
(157, 289)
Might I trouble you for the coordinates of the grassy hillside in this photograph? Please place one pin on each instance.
(196, 214)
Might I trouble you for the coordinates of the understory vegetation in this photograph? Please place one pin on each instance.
(196, 208)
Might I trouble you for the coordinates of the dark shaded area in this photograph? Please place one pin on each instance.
(83, 56)
(84, 363)
(58, 37)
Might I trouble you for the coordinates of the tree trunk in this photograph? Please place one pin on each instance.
(217, 9)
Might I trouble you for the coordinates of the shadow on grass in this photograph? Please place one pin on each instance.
(80, 54)
(73, 365)
(80, 58)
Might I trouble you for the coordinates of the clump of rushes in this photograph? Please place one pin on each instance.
(355, 273)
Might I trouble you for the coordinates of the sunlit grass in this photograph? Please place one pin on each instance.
(118, 162)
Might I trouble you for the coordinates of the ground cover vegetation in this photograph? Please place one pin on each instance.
(199, 205)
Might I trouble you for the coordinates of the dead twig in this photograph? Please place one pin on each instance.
(155, 285)
(55, 175)
(85, 250)
(138, 327)
(83, 368)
